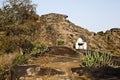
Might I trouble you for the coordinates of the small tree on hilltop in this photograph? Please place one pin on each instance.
(18, 10)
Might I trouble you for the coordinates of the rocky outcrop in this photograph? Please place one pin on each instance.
(30, 73)
(115, 30)
(106, 73)
(55, 64)
(53, 17)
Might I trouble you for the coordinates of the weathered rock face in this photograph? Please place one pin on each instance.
(52, 17)
(103, 73)
(21, 72)
(112, 40)
(56, 26)
(55, 64)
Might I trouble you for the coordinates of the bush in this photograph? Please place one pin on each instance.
(10, 44)
(21, 59)
(100, 33)
(96, 60)
(60, 42)
(39, 49)
(26, 45)
(7, 44)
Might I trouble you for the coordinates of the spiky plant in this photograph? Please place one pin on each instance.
(96, 60)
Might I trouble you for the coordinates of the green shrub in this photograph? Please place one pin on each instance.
(96, 60)
(100, 33)
(26, 45)
(60, 42)
(39, 49)
(21, 59)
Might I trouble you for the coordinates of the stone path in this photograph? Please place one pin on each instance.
(56, 63)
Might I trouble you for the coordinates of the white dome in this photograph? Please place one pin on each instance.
(80, 44)
(79, 40)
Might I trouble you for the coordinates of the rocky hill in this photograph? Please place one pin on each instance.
(58, 61)
(56, 27)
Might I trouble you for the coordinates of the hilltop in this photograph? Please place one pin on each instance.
(55, 27)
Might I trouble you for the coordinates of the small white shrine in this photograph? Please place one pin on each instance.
(80, 44)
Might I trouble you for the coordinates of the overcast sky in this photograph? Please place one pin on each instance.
(94, 15)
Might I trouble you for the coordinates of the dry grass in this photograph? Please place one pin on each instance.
(6, 62)
(7, 58)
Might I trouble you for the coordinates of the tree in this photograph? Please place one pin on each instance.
(17, 23)
(18, 11)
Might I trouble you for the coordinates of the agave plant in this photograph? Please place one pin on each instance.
(96, 60)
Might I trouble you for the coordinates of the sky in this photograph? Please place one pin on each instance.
(94, 15)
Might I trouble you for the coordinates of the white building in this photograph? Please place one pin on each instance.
(80, 44)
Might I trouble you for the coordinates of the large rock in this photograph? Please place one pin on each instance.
(32, 73)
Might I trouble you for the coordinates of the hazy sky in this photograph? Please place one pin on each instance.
(94, 15)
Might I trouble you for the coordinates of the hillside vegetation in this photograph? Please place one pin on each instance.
(22, 28)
